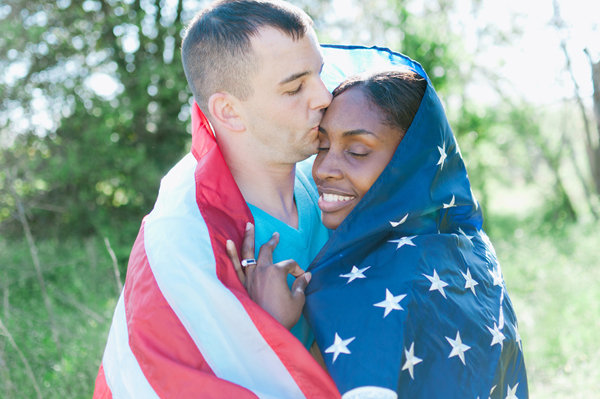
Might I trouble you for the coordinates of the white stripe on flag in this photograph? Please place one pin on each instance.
(180, 255)
(121, 369)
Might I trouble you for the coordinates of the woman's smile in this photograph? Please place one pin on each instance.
(333, 202)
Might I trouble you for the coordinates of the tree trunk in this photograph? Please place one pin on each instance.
(595, 150)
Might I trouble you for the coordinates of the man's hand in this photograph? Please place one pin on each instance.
(266, 282)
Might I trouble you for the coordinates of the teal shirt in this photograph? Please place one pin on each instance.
(301, 244)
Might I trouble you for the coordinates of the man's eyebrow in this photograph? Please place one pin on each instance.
(293, 77)
(298, 75)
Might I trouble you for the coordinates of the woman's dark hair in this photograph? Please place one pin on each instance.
(397, 94)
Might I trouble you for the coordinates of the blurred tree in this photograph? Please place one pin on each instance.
(94, 103)
(594, 150)
(591, 138)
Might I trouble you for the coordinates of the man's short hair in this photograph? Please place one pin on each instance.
(216, 50)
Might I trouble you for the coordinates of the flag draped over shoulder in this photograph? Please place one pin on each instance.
(407, 298)
(184, 326)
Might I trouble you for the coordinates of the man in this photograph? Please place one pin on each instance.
(184, 325)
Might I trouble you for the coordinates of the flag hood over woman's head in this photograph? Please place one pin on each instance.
(407, 296)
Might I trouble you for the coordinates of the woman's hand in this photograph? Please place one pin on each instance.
(266, 282)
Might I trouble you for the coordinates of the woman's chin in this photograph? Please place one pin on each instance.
(330, 222)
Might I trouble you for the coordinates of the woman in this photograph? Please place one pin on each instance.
(406, 298)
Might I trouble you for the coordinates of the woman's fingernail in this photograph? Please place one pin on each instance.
(307, 276)
(248, 226)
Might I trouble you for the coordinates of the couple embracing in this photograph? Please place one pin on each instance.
(362, 272)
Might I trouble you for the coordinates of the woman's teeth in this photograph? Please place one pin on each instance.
(335, 198)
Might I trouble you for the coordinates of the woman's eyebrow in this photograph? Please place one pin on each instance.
(354, 132)
(357, 132)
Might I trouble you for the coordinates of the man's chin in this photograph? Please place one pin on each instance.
(307, 153)
(313, 149)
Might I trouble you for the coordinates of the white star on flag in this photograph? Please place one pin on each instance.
(474, 200)
(390, 303)
(411, 360)
(518, 339)
(404, 241)
(443, 155)
(470, 283)
(470, 238)
(451, 204)
(339, 346)
(491, 390)
(496, 276)
(497, 336)
(458, 348)
(485, 239)
(355, 273)
(511, 392)
(398, 223)
(436, 283)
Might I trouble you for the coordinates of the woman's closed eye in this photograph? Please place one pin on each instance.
(358, 154)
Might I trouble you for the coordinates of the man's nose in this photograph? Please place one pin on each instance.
(322, 97)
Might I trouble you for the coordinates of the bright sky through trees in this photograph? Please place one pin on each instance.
(532, 63)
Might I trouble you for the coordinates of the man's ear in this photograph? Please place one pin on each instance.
(224, 109)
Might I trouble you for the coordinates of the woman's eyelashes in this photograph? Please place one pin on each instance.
(358, 154)
(353, 153)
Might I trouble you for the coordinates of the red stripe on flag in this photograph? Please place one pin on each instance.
(225, 212)
(101, 390)
(166, 353)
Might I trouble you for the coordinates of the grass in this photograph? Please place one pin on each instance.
(553, 278)
(82, 291)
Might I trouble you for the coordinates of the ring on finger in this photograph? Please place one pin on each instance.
(248, 262)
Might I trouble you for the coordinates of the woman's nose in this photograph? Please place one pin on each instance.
(327, 166)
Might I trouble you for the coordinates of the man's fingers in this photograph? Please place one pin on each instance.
(235, 260)
(248, 243)
(265, 254)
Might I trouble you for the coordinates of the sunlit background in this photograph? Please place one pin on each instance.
(95, 109)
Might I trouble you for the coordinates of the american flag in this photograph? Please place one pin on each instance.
(407, 298)
(184, 326)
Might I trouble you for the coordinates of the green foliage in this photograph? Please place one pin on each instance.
(553, 279)
(102, 156)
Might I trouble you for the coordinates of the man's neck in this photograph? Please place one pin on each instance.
(270, 188)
